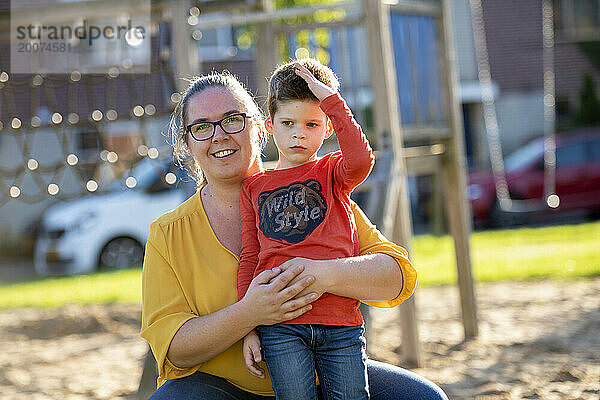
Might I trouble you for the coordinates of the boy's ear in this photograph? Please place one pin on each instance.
(269, 125)
(329, 128)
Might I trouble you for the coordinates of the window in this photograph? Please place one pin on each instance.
(563, 108)
(577, 19)
(216, 44)
(87, 144)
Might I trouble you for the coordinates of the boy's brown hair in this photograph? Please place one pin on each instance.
(285, 85)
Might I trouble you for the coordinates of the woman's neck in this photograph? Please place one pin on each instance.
(226, 195)
(222, 207)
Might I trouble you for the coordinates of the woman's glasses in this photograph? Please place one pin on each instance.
(205, 130)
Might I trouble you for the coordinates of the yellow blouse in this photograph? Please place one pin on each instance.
(188, 273)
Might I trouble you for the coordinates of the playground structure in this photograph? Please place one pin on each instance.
(440, 146)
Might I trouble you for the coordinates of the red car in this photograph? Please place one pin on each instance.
(577, 181)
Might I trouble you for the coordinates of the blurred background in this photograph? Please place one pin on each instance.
(503, 94)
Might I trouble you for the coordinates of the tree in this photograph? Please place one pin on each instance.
(589, 104)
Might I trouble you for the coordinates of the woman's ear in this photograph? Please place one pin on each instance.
(329, 128)
(259, 129)
(269, 125)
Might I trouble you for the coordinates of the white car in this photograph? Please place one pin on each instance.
(105, 230)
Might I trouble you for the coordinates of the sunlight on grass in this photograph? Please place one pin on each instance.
(100, 288)
(557, 252)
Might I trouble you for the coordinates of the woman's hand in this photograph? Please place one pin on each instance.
(271, 298)
(367, 277)
(319, 89)
(273, 295)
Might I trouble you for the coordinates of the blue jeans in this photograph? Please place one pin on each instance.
(293, 352)
(386, 382)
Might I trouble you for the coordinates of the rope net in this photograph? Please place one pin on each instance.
(62, 136)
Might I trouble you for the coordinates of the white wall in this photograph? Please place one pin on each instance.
(520, 117)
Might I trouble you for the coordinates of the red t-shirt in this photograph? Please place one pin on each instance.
(305, 211)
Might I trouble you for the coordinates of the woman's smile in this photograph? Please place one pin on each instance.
(221, 154)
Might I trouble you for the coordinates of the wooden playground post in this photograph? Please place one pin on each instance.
(455, 179)
(397, 218)
(265, 46)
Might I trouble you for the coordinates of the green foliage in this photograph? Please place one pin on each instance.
(589, 104)
(320, 16)
(302, 3)
(246, 36)
(321, 36)
(592, 51)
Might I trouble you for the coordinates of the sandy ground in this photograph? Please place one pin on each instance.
(537, 341)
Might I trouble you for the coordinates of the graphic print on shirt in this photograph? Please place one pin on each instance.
(292, 212)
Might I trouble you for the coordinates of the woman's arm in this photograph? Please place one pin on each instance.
(267, 301)
(382, 273)
(182, 339)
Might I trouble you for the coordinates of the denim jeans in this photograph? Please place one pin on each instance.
(386, 382)
(293, 352)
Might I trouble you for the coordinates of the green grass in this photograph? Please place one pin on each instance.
(557, 252)
(99, 288)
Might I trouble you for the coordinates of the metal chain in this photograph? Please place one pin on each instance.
(490, 117)
(550, 195)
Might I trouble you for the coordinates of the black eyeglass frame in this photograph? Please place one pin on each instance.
(188, 129)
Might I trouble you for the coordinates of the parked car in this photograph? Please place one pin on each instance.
(105, 230)
(577, 181)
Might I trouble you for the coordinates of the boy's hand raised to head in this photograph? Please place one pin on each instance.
(319, 89)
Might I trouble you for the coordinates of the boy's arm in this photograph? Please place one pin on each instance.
(382, 271)
(250, 243)
(357, 157)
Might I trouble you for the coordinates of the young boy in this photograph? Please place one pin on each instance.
(302, 209)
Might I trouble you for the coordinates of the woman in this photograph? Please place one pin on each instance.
(191, 316)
